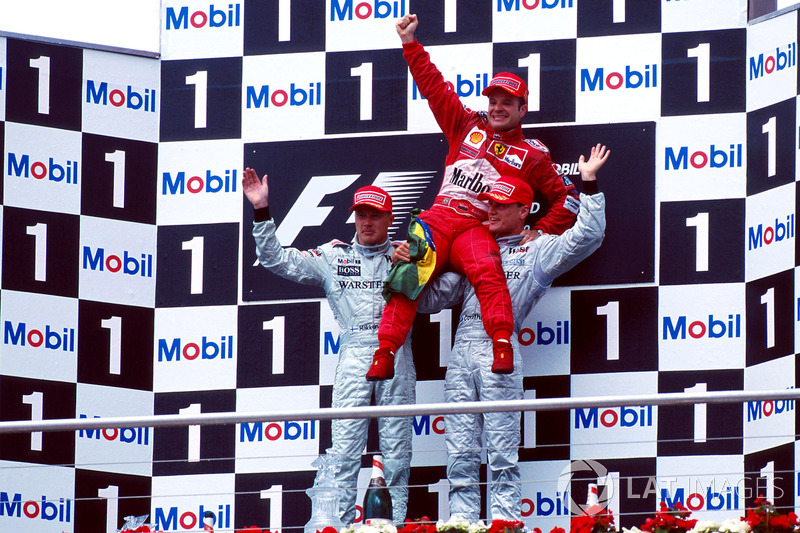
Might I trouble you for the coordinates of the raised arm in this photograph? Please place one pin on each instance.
(256, 190)
(406, 27)
(597, 158)
(559, 253)
(442, 98)
(309, 267)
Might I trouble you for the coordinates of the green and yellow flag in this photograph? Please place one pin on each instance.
(410, 278)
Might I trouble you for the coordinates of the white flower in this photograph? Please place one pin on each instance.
(704, 526)
(383, 527)
(734, 525)
(455, 523)
(634, 529)
(478, 527)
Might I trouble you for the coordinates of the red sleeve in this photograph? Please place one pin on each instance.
(560, 193)
(447, 108)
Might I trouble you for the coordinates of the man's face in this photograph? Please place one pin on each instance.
(372, 225)
(505, 111)
(506, 219)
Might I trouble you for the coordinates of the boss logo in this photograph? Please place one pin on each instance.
(349, 270)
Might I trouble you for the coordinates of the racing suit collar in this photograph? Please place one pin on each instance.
(506, 136)
(372, 251)
(510, 240)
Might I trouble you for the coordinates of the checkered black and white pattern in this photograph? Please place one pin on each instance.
(129, 285)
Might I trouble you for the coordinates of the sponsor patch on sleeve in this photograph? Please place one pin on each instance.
(573, 204)
(538, 145)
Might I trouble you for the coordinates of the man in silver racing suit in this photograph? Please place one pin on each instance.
(352, 275)
(530, 270)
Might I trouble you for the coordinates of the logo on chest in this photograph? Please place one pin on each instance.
(509, 155)
(348, 270)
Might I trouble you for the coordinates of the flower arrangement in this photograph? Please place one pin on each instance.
(766, 519)
(600, 522)
(420, 525)
(673, 519)
(460, 525)
(381, 527)
(506, 526)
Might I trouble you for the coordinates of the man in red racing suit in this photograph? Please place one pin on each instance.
(482, 147)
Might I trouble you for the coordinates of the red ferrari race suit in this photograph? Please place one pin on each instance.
(477, 157)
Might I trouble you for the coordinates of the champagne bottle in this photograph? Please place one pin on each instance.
(377, 501)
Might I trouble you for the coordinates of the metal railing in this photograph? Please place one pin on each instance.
(539, 404)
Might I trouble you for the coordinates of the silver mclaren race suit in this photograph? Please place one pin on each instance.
(530, 270)
(352, 276)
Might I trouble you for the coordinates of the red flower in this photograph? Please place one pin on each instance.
(506, 526)
(673, 519)
(420, 525)
(766, 519)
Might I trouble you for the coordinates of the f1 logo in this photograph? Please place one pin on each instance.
(307, 211)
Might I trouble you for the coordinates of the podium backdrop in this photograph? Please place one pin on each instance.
(129, 285)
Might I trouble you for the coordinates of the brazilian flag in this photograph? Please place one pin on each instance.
(410, 278)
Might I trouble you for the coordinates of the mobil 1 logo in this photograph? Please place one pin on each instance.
(274, 499)
(44, 84)
(197, 449)
(702, 242)
(700, 429)
(545, 434)
(36, 400)
(271, 353)
(770, 474)
(466, 21)
(365, 91)
(284, 27)
(547, 67)
(614, 330)
(703, 72)
(197, 265)
(103, 498)
(40, 252)
(434, 334)
(769, 304)
(112, 341)
(120, 178)
(199, 100)
(770, 146)
(618, 17)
